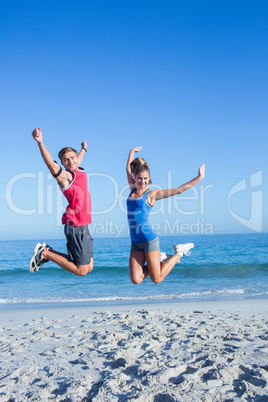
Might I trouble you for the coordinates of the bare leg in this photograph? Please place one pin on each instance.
(64, 262)
(159, 270)
(138, 271)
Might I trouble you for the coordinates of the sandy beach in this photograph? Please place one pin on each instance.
(205, 351)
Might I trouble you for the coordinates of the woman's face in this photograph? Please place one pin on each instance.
(142, 179)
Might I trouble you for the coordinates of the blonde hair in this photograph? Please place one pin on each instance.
(140, 165)
(65, 150)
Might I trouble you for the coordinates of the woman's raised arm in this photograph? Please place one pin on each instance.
(130, 178)
(156, 195)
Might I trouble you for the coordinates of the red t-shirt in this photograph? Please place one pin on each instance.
(78, 211)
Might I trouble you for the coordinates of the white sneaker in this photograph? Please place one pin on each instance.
(163, 256)
(170, 255)
(37, 259)
(183, 248)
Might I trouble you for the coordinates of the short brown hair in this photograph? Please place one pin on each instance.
(65, 150)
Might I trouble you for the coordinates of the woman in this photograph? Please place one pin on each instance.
(144, 241)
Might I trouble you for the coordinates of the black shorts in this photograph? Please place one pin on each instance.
(79, 244)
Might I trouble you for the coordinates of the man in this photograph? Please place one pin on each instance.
(74, 185)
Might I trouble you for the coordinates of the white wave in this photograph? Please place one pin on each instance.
(192, 295)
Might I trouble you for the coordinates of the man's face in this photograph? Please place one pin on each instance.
(70, 161)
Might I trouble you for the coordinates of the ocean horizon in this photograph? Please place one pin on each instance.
(220, 267)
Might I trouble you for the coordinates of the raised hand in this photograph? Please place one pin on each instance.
(37, 135)
(137, 149)
(84, 144)
(201, 171)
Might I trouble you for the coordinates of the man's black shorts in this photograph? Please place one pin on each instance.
(79, 244)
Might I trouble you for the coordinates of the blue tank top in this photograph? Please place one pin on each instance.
(138, 211)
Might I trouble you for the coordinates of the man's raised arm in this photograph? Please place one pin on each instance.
(82, 152)
(63, 178)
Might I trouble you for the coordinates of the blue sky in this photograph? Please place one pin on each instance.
(186, 80)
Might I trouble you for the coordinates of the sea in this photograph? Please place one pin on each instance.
(220, 267)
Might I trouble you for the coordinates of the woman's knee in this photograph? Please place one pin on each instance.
(136, 280)
(156, 279)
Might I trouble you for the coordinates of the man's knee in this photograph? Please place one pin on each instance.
(90, 266)
(83, 270)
